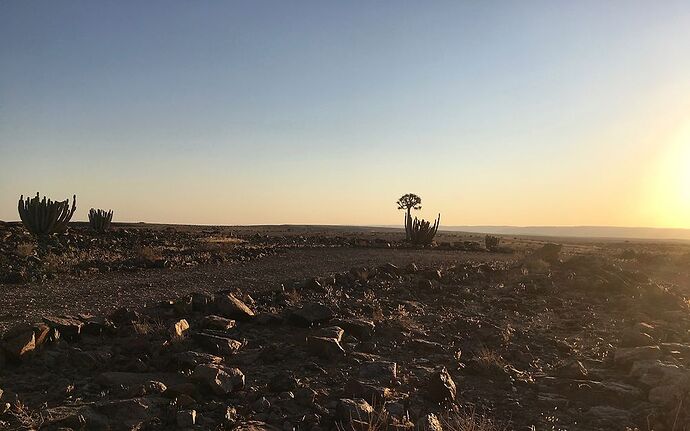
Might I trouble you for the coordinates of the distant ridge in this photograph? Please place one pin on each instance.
(579, 231)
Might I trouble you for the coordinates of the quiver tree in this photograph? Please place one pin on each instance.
(421, 232)
(409, 202)
(43, 216)
(491, 242)
(100, 220)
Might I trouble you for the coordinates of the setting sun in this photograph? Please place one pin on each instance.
(668, 194)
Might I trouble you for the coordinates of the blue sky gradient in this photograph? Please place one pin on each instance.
(518, 113)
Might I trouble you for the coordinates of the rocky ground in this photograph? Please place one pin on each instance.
(369, 336)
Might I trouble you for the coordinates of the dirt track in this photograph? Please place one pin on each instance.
(101, 294)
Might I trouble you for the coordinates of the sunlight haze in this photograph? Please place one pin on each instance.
(499, 113)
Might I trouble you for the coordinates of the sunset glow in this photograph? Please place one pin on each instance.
(669, 192)
(265, 112)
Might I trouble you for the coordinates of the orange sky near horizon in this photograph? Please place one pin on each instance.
(518, 114)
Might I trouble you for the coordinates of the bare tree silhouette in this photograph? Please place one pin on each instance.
(409, 202)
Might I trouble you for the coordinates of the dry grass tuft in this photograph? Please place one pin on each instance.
(147, 254)
(149, 328)
(470, 421)
(25, 249)
(489, 360)
(293, 296)
(25, 418)
(536, 266)
(378, 420)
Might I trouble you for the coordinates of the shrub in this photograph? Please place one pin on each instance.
(100, 220)
(43, 216)
(491, 242)
(421, 232)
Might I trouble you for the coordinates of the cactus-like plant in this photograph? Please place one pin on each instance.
(421, 232)
(43, 216)
(491, 242)
(100, 220)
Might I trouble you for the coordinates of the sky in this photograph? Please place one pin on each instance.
(495, 113)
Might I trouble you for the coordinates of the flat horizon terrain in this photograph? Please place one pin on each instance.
(556, 233)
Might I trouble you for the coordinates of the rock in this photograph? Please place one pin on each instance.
(261, 405)
(669, 396)
(615, 392)
(645, 327)
(311, 314)
(127, 414)
(312, 284)
(366, 390)
(395, 409)
(668, 383)
(219, 379)
(185, 402)
(334, 332)
(134, 413)
(634, 338)
(201, 301)
(411, 268)
(572, 369)
(217, 322)
(677, 350)
(592, 392)
(220, 344)
(42, 333)
(441, 386)
(429, 422)
(269, 319)
(230, 415)
(179, 328)
(96, 325)
(328, 348)
(610, 417)
(358, 328)
(424, 284)
(74, 418)
(191, 359)
(69, 327)
(186, 389)
(421, 345)
(654, 373)
(549, 253)
(432, 274)
(625, 356)
(229, 306)
(353, 410)
(380, 370)
(182, 306)
(305, 396)
(153, 387)
(119, 379)
(389, 268)
(282, 382)
(360, 273)
(254, 426)
(124, 316)
(19, 341)
(186, 418)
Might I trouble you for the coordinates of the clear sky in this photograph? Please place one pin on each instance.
(512, 113)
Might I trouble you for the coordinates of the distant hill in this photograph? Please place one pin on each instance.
(579, 231)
